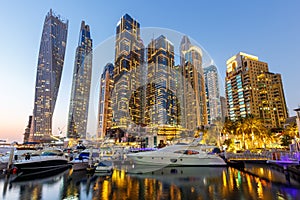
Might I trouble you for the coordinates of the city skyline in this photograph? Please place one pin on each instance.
(15, 113)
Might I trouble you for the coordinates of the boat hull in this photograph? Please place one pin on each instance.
(40, 164)
(175, 161)
(79, 165)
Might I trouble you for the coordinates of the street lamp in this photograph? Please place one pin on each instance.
(298, 119)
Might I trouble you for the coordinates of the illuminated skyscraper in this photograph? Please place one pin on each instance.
(80, 94)
(49, 70)
(212, 88)
(105, 101)
(129, 59)
(193, 85)
(252, 89)
(161, 100)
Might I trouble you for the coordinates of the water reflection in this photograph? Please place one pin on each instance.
(162, 183)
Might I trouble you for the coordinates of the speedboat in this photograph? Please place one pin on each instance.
(84, 159)
(104, 167)
(180, 154)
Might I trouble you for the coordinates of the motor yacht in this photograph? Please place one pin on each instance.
(40, 163)
(85, 158)
(180, 154)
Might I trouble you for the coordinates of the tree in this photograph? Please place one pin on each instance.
(292, 130)
(286, 140)
(254, 129)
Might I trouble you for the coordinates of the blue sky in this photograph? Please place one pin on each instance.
(267, 29)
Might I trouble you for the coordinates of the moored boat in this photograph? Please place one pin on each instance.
(105, 167)
(180, 154)
(38, 163)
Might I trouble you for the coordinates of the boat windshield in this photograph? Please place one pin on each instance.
(50, 153)
(181, 143)
(101, 164)
(187, 152)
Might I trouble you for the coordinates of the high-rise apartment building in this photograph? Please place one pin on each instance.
(252, 89)
(128, 69)
(80, 93)
(195, 110)
(212, 89)
(105, 101)
(49, 70)
(161, 100)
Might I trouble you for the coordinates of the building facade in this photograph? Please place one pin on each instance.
(161, 109)
(27, 130)
(80, 93)
(224, 112)
(105, 101)
(252, 89)
(212, 89)
(49, 71)
(195, 110)
(128, 70)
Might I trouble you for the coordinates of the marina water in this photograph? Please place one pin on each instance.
(255, 182)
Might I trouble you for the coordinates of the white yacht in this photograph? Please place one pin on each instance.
(180, 154)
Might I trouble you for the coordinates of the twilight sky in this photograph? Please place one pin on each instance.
(267, 29)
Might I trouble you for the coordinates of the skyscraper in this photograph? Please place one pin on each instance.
(129, 59)
(80, 94)
(161, 100)
(252, 89)
(212, 89)
(105, 101)
(193, 85)
(49, 70)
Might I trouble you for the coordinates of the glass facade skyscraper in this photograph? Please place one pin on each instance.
(161, 100)
(195, 110)
(49, 70)
(105, 101)
(212, 89)
(128, 70)
(80, 94)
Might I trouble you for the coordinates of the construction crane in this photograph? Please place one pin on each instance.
(60, 130)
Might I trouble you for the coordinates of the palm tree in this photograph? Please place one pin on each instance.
(254, 128)
(240, 131)
(292, 130)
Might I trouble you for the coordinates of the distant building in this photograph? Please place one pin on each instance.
(80, 93)
(27, 130)
(252, 89)
(212, 89)
(105, 101)
(127, 104)
(195, 110)
(49, 71)
(224, 112)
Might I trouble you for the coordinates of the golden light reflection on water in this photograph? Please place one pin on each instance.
(187, 183)
(260, 190)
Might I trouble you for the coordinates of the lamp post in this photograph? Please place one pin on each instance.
(298, 119)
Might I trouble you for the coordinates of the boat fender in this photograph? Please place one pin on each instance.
(14, 170)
